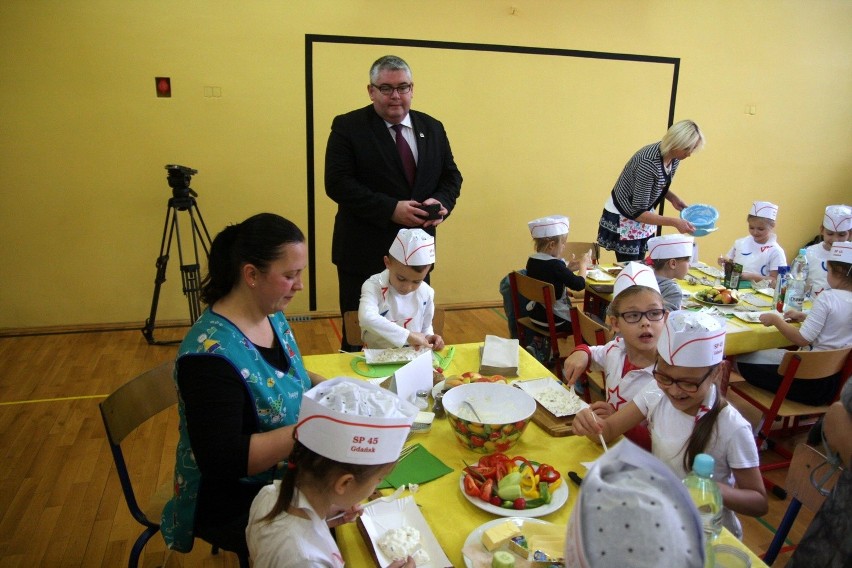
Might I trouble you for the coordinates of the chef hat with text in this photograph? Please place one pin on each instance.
(634, 274)
(353, 421)
(838, 218)
(552, 226)
(841, 252)
(633, 511)
(692, 339)
(764, 209)
(413, 247)
(670, 246)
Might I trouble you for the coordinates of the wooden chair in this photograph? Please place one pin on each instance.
(541, 292)
(802, 492)
(123, 412)
(795, 365)
(353, 327)
(590, 331)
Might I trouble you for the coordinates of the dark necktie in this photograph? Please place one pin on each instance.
(405, 154)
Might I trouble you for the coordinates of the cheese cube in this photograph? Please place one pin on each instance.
(496, 536)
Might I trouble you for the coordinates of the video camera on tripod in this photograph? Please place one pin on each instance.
(183, 199)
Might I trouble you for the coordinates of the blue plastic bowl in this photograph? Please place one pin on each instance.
(702, 216)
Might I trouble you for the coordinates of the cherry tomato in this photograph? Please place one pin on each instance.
(519, 504)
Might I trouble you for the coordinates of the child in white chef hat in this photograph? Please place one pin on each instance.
(759, 253)
(546, 264)
(827, 326)
(687, 415)
(348, 438)
(670, 256)
(397, 306)
(636, 314)
(633, 511)
(836, 228)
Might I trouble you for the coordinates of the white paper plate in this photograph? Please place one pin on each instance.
(475, 537)
(539, 388)
(391, 356)
(708, 270)
(760, 301)
(599, 275)
(750, 317)
(766, 292)
(559, 497)
(382, 517)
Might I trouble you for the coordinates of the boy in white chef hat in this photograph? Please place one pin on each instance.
(688, 415)
(628, 512)
(826, 326)
(348, 438)
(759, 253)
(670, 256)
(636, 314)
(397, 305)
(836, 228)
(548, 265)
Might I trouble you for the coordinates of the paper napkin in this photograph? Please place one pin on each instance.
(420, 466)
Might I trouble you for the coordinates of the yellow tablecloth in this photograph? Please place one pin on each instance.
(742, 337)
(451, 517)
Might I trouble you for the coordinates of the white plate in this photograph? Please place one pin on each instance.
(475, 537)
(382, 517)
(438, 388)
(559, 497)
(599, 275)
(755, 300)
(538, 389)
(391, 356)
(766, 292)
(706, 303)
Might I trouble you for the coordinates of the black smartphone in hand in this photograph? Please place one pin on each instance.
(433, 211)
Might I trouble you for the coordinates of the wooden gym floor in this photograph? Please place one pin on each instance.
(60, 500)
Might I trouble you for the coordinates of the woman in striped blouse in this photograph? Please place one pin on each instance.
(628, 218)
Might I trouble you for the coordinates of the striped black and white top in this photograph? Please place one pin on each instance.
(642, 182)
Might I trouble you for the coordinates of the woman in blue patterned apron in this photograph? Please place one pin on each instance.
(629, 218)
(241, 378)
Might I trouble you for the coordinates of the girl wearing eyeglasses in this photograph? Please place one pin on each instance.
(636, 314)
(687, 415)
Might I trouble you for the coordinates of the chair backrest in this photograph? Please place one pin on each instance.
(592, 331)
(130, 406)
(578, 249)
(536, 291)
(798, 485)
(353, 327)
(816, 364)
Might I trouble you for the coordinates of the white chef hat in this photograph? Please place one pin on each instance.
(552, 226)
(764, 209)
(353, 421)
(670, 246)
(633, 511)
(413, 247)
(692, 339)
(634, 274)
(841, 252)
(838, 218)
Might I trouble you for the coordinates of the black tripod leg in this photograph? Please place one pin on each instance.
(162, 263)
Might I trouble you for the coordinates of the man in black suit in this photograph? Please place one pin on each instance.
(382, 184)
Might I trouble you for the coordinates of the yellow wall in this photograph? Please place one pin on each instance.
(84, 140)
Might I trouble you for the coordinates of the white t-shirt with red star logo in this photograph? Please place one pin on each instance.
(621, 386)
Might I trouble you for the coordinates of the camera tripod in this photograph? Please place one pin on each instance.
(190, 268)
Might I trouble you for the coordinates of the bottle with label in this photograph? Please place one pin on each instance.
(796, 282)
(708, 499)
(780, 289)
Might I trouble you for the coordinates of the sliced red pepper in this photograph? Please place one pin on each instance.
(523, 461)
(548, 473)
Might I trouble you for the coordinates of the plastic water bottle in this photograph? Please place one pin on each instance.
(780, 288)
(707, 497)
(796, 283)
